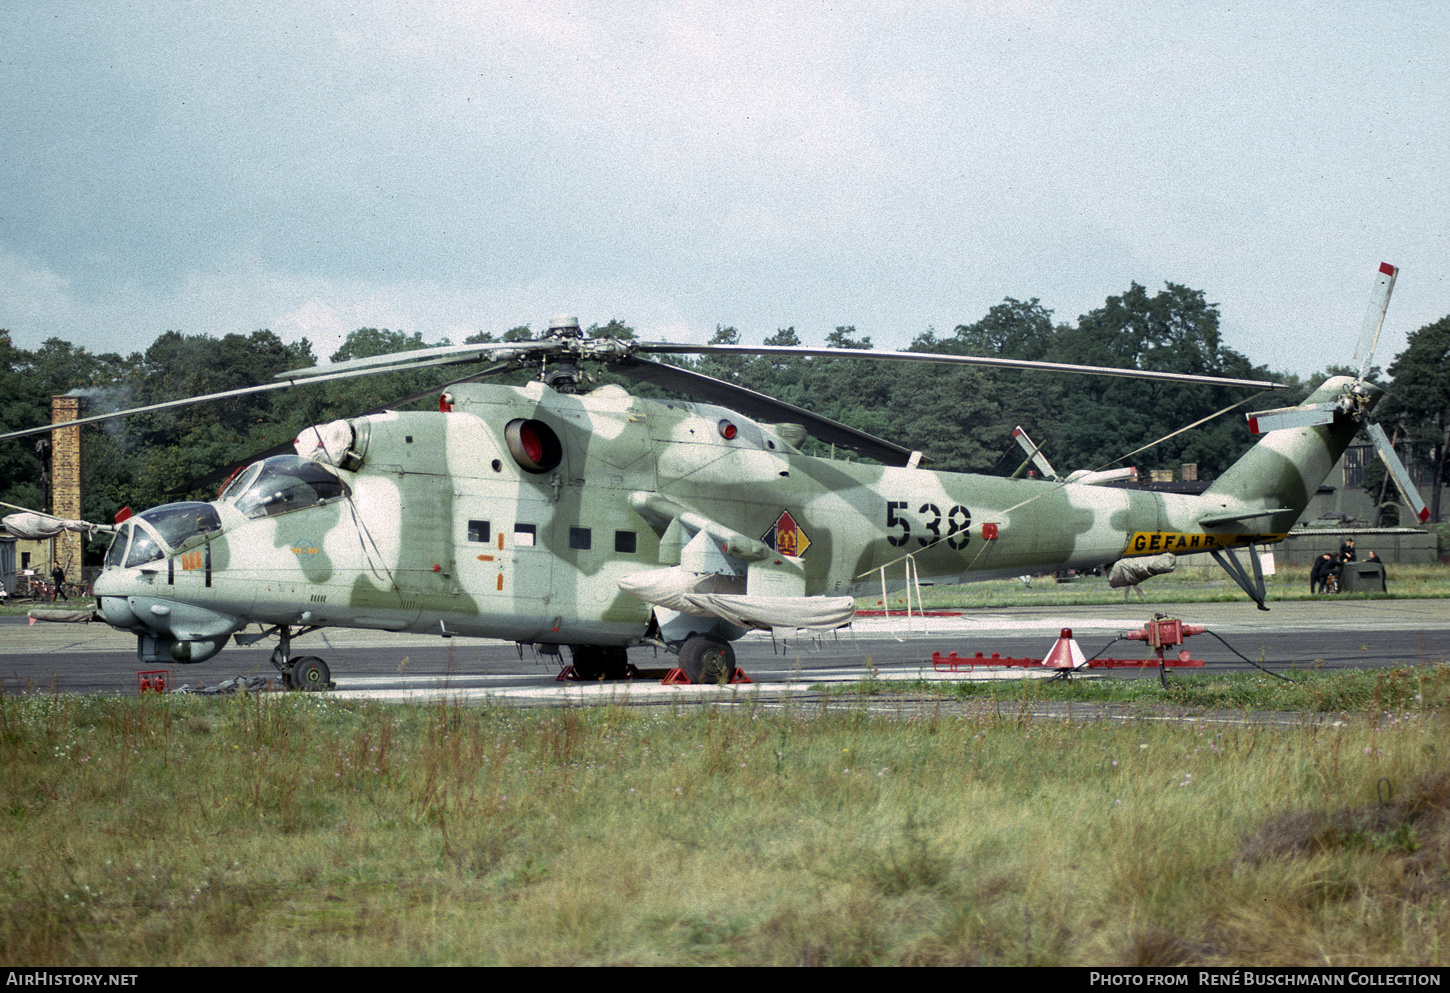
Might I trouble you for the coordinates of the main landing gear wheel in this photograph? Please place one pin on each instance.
(707, 659)
(309, 673)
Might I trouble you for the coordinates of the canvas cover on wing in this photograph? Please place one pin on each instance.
(672, 588)
(787, 613)
(723, 597)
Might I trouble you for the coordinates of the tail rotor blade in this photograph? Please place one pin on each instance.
(1397, 471)
(1374, 318)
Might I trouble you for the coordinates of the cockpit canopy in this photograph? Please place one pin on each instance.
(278, 485)
(168, 527)
(282, 484)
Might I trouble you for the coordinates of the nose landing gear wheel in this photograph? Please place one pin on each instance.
(707, 659)
(309, 673)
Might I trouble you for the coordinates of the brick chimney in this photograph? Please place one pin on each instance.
(65, 472)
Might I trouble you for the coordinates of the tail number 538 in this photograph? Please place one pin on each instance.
(930, 520)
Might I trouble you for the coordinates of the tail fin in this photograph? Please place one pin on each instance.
(1285, 469)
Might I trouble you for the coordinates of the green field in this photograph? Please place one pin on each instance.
(297, 829)
(1191, 584)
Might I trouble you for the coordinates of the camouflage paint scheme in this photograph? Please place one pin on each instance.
(435, 534)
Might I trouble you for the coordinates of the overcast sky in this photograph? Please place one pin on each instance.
(452, 167)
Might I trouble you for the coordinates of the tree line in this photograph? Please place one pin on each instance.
(960, 417)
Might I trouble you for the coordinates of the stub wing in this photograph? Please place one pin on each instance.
(765, 613)
(724, 598)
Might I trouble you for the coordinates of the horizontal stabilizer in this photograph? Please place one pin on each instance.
(1246, 516)
(1264, 421)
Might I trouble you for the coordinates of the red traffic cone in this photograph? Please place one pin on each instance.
(1065, 653)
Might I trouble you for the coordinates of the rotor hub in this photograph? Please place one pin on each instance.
(564, 326)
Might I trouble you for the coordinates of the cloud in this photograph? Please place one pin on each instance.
(449, 168)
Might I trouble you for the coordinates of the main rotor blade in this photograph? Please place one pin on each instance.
(225, 394)
(226, 471)
(1374, 318)
(426, 358)
(868, 355)
(762, 408)
(611, 350)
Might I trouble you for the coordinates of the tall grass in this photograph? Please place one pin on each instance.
(302, 830)
(1304, 689)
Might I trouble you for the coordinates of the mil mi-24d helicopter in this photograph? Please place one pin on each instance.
(553, 516)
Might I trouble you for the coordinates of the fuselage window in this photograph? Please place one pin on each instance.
(581, 539)
(624, 542)
(478, 531)
(524, 535)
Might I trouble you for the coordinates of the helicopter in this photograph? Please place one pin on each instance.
(557, 516)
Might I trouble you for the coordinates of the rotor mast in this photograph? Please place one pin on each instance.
(566, 375)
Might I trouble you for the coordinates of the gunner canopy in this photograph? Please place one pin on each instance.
(168, 527)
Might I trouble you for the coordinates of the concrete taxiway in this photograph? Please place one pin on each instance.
(1319, 634)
